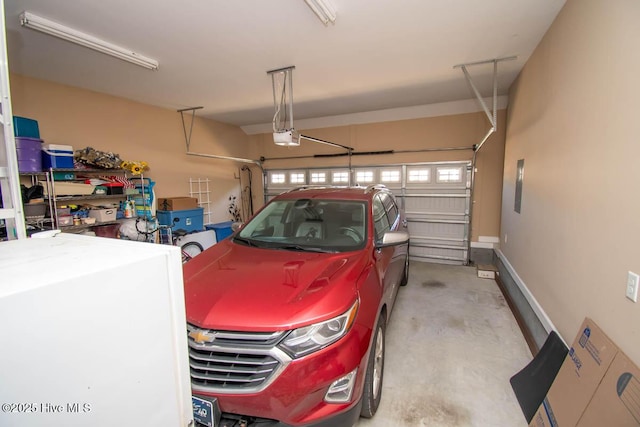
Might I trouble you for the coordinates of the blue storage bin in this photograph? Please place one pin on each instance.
(57, 156)
(222, 229)
(188, 219)
(25, 127)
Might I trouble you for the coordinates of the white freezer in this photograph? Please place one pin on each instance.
(92, 333)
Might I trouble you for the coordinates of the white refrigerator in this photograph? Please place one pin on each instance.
(92, 333)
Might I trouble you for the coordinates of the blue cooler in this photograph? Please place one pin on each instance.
(222, 229)
(188, 219)
(57, 156)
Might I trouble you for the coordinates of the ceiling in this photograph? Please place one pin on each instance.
(379, 54)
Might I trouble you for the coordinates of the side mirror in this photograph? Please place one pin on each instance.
(393, 238)
(236, 226)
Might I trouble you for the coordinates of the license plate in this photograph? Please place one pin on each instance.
(205, 412)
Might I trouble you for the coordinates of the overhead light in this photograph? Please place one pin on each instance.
(323, 10)
(46, 26)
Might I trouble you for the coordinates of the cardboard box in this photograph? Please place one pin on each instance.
(486, 271)
(617, 399)
(580, 375)
(177, 203)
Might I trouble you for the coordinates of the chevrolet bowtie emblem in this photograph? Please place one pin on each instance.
(201, 336)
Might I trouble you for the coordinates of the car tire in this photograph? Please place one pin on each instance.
(375, 372)
(405, 274)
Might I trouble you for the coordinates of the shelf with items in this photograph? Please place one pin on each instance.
(84, 227)
(78, 187)
(37, 208)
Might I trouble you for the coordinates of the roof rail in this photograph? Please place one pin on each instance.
(370, 188)
(306, 187)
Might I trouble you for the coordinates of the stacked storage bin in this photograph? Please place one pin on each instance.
(28, 144)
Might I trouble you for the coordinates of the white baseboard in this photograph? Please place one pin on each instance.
(486, 242)
(535, 306)
(483, 245)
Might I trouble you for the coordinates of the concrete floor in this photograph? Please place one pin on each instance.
(452, 345)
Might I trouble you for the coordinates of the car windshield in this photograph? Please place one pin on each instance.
(307, 225)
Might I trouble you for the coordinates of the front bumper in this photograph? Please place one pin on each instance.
(296, 396)
(344, 419)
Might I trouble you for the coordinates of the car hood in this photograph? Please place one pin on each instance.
(235, 287)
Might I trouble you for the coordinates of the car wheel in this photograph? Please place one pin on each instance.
(405, 274)
(375, 370)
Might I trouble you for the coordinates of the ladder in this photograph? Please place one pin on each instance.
(11, 212)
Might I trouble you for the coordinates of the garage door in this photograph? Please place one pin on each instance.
(435, 196)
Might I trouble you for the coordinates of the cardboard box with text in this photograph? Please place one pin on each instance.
(580, 375)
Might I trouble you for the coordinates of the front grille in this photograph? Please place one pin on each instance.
(235, 361)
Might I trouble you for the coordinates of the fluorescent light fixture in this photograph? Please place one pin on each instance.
(323, 10)
(46, 26)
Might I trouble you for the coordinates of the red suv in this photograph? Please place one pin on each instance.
(286, 318)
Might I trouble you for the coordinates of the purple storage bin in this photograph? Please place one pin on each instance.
(28, 153)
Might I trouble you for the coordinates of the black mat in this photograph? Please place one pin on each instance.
(532, 383)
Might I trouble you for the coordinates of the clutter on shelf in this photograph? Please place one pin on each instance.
(91, 157)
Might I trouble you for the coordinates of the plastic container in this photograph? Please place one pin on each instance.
(35, 210)
(57, 156)
(103, 215)
(25, 127)
(188, 219)
(222, 229)
(65, 220)
(28, 154)
(64, 176)
(110, 230)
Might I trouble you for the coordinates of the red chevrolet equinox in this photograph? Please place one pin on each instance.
(286, 318)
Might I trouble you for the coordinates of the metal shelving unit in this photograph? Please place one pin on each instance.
(79, 199)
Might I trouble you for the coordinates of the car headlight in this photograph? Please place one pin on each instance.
(308, 339)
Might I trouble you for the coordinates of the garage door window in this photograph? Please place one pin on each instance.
(452, 175)
(277, 178)
(364, 177)
(390, 176)
(318, 177)
(297, 178)
(420, 175)
(340, 177)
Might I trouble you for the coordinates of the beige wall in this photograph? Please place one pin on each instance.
(573, 118)
(463, 130)
(81, 118)
(78, 117)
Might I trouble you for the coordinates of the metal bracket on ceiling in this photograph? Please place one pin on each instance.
(187, 138)
(491, 115)
(282, 81)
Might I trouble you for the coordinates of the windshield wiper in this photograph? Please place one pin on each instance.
(305, 249)
(248, 242)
